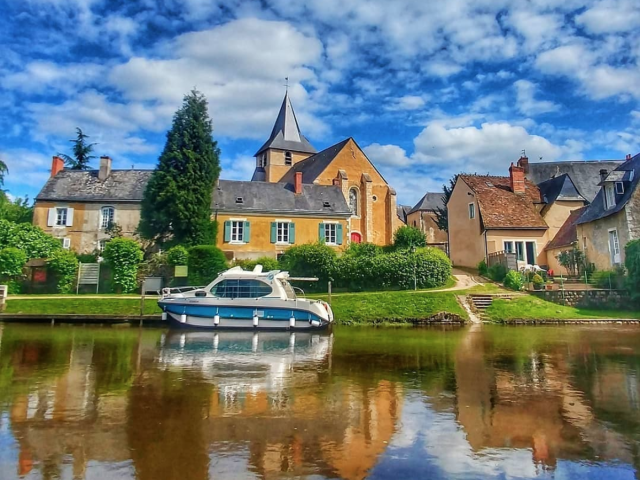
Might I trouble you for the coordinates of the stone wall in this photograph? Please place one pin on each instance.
(587, 298)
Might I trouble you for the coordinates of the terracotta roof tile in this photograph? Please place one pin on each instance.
(500, 207)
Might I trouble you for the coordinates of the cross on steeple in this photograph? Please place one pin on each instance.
(286, 84)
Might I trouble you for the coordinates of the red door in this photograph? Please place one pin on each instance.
(356, 237)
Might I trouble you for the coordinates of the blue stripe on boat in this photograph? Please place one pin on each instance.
(240, 313)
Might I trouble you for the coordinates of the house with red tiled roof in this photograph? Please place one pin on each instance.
(491, 214)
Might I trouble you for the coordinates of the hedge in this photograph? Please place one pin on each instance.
(124, 255)
(632, 262)
(64, 264)
(205, 263)
(268, 264)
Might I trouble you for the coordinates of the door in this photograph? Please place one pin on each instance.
(614, 247)
(356, 237)
(531, 253)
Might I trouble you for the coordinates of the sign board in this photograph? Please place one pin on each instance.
(39, 275)
(88, 274)
(181, 271)
(152, 284)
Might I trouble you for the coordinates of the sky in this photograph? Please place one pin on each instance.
(427, 89)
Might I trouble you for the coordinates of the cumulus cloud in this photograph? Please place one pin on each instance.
(610, 17)
(527, 103)
(407, 102)
(386, 154)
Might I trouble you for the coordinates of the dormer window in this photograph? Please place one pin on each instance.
(239, 200)
(287, 159)
(609, 196)
(619, 188)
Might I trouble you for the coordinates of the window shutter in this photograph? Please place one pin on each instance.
(247, 232)
(339, 234)
(69, 217)
(292, 232)
(51, 219)
(274, 232)
(227, 231)
(321, 232)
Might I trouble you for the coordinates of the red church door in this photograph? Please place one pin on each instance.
(356, 237)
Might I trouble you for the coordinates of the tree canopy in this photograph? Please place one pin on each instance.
(442, 216)
(3, 171)
(18, 210)
(409, 237)
(81, 152)
(176, 206)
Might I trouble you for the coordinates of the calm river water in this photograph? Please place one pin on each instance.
(479, 402)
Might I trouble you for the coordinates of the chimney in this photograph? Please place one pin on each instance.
(336, 182)
(105, 168)
(57, 165)
(517, 179)
(298, 183)
(603, 174)
(628, 157)
(523, 162)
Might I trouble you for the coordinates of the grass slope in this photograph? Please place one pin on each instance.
(82, 306)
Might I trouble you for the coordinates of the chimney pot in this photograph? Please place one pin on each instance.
(603, 174)
(105, 168)
(523, 162)
(298, 183)
(516, 175)
(57, 165)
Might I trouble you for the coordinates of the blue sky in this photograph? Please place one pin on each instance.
(428, 89)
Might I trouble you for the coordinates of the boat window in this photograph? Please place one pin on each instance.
(288, 289)
(241, 289)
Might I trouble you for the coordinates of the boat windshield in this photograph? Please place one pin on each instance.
(238, 288)
(288, 289)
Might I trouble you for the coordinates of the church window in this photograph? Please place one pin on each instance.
(263, 160)
(353, 201)
(287, 158)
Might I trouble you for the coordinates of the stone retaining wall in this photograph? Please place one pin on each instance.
(587, 298)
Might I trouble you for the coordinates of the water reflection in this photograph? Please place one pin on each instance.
(484, 402)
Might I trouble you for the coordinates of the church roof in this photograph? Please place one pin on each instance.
(286, 132)
(313, 166)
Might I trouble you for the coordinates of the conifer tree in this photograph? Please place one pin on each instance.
(81, 152)
(3, 171)
(176, 206)
(442, 214)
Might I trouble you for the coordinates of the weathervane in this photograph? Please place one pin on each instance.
(286, 83)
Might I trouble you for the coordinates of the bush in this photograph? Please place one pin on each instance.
(64, 264)
(632, 262)
(609, 279)
(363, 250)
(482, 268)
(497, 272)
(88, 258)
(311, 260)
(124, 255)
(407, 237)
(267, 263)
(514, 281)
(28, 238)
(205, 263)
(178, 255)
(12, 261)
(538, 282)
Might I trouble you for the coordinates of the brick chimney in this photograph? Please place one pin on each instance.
(105, 168)
(603, 174)
(517, 179)
(297, 186)
(57, 165)
(523, 162)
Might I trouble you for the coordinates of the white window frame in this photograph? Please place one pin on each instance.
(609, 196)
(104, 225)
(286, 232)
(472, 211)
(62, 218)
(620, 190)
(521, 244)
(66, 243)
(511, 245)
(330, 229)
(237, 226)
(617, 260)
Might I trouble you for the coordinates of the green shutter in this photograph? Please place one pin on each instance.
(292, 232)
(274, 232)
(321, 232)
(227, 231)
(247, 232)
(339, 234)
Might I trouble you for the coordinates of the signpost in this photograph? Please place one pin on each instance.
(88, 274)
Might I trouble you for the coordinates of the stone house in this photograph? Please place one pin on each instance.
(613, 219)
(423, 216)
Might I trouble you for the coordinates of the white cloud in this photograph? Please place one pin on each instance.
(386, 154)
(442, 68)
(408, 102)
(527, 103)
(240, 167)
(26, 167)
(611, 17)
(46, 77)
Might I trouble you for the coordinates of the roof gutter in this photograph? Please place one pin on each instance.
(292, 213)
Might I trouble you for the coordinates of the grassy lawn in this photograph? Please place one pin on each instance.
(531, 307)
(82, 306)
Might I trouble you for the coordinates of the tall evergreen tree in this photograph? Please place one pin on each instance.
(176, 206)
(442, 216)
(3, 171)
(81, 152)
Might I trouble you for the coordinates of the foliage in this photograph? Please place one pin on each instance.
(17, 211)
(538, 282)
(3, 171)
(483, 269)
(609, 279)
(178, 255)
(632, 263)
(572, 260)
(124, 255)
(364, 249)
(88, 258)
(177, 201)
(64, 264)
(310, 260)
(28, 238)
(442, 216)
(114, 230)
(81, 152)
(497, 272)
(514, 281)
(267, 263)
(205, 263)
(12, 261)
(408, 237)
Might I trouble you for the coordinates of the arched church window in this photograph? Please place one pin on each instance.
(287, 158)
(353, 201)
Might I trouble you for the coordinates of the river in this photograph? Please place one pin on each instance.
(474, 402)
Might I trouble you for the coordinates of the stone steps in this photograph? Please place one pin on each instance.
(482, 302)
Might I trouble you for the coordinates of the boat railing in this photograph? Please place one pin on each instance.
(299, 292)
(171, 290)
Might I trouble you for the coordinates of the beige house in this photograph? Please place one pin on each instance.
(491, 214)
(423, 216)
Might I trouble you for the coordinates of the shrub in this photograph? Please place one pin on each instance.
(363, 250)
(88, 258)
(497, 272)
(205, 263)
(514, 281)
(28, 238)
(64, 264)
(310, 260)
(124, 255)
(482, 268)
(407, 237)
(12, 261)
(538, 282)
(609, 279)
(178, 255)
(632, 262)
(267, 263)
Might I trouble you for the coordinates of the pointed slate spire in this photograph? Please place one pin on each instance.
(286, 132)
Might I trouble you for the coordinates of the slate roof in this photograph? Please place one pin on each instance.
(84, 186)
(430, 201)
(559, 188)
(279, 199)
(403, 211)
(584, 174)
(286, 132)
(567, 234)
(313, 166)
(596, 209)
(500, 208)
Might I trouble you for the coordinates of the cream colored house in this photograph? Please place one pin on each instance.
(423, 216)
